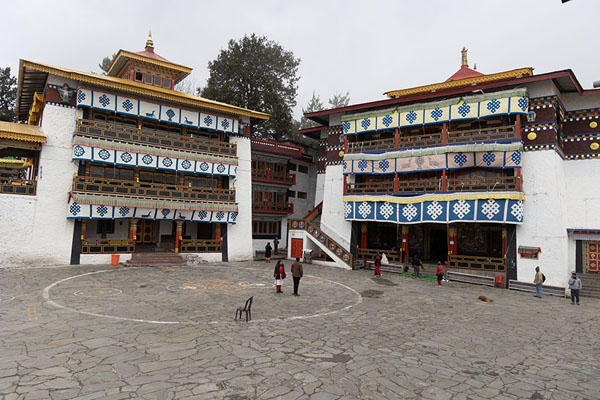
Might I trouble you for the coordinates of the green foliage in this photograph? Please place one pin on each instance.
(258, 74)
(340, 100)
(8, 95)
(314, 104)
(105, 64)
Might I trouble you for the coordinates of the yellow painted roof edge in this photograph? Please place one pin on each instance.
(23, 132)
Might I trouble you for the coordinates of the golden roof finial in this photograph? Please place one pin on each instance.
(149, 42)
(464, 62)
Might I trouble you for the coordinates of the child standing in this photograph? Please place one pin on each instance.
(440, 272)
(575, 286)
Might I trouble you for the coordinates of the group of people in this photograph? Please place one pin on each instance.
(574, 285)
(279, 275)
(416, 264)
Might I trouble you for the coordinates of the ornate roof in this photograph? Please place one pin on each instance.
(26, 133)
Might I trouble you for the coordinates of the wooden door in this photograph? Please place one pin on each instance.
(297, 245)
(145, 231)
(591, 256)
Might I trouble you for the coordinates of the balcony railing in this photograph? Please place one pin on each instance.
(272, 207)
(107, 246)
(501, 183)
(480, 263)
(482, 135)
(435, 139)
(432, 185)
(157, 190)
(200, 246)
(25, 187)
(128, 133)
(268, 175)
(273, 147)
(393, 256)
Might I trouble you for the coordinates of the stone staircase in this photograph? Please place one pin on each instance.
(590, 285)
(154, 259)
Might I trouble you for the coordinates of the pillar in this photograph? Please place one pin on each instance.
(405, 244)
(396, 183)
(503, 241)
(519, 179)
(363, 235)
(445, 133)
(83, 229)
(518, 126)
(397, 139)
(178, 235)
(444, 181)
(451, 240)
(133, 229)
(345, 144)
(344, 185)
(217, 235)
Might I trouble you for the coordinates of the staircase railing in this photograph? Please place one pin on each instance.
(312, 214)
(342, 254)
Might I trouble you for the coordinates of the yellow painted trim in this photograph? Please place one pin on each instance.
(36, 107)
(437, 197)
(128, 86)
(516, 73)
(149, 60)
(26, 133)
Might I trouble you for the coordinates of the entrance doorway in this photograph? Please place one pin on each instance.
(438, 244)
(147, 232)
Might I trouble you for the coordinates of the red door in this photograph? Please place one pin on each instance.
(296, 248)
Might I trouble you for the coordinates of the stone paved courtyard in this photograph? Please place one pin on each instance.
(168, 333)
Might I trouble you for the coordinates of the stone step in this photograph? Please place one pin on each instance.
(155, 259)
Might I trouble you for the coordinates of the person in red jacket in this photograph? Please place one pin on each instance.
(440, 272)
(279, 275)
(377, 264)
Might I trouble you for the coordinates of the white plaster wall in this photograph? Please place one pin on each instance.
(101, 259)
(121, 229)
(304, 183)
(574, 101)
(309, 243)
(35, 230)
(332, 219)
(259, 244)
(545, 219)
(203, 257)
(335, 119)
(319, 191)
(239, 235)
(541, 88)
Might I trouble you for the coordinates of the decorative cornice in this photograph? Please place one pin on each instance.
(26, 133)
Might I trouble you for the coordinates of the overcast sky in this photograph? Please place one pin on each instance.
(364, 47)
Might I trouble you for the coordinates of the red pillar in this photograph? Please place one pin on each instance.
(503, 241)
(345, 144)
(444, 181)
(405, 244)
(363, 235)
(83, 229)
(178, 235)
(445, 133)
(396, 183)
(397, 139)
(518, 126)
(344, 184)
(217, 232)
(519, 179)
(132, 229)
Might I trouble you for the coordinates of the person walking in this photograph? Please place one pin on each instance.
(377, 265)
(297, 275)
(275, 245)
(279, 275)
(538, 282)
(268, 252)
(416, 264)
(575, 286)
(440, 272)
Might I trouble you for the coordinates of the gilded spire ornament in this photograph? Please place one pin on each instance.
(149, 42)
(464, 62)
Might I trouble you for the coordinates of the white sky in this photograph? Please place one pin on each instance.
(364, 47)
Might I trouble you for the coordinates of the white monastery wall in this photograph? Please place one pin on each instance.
(332, 219)
(101, 259)
(34, 230)
(541, 89)
(545, 218)
(239, 235)
(259, 244)
(574, 101)
(319, 190)
(121, 229)
(304, 183)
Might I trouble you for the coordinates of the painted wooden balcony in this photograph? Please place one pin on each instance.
(435, 185)
(496, 134)
(132, 134)
(86, 184)
(266, 175)
(200, 245)
(272, 207)
(25, 187)
(107, 246)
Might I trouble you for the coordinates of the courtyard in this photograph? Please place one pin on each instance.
(91, 332)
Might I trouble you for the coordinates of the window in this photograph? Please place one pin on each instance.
(149, 79)
(292, 166)
(139, 76)
(302, 195)
(157, 81)
(303, 169)
(166, 83)
(266, 228)
(291, 193)
(105, 227)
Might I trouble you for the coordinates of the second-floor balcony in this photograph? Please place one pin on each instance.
(152, 137)
(435, 185)
(272, 207)
(405, 142)
(120, 187)
(268, 175)
(25, 187)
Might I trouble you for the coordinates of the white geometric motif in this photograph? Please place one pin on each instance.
(490, 208)
(517, 210)
(347, 209)
(386, 210)
(409, 212)
(364, 209)
(434, 210)
(461, 208)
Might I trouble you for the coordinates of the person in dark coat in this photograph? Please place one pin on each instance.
(279, 275)
(268, 252)
(297, 273)
(416, 264)
(377, 265)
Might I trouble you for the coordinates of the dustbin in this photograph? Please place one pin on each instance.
(114, 260)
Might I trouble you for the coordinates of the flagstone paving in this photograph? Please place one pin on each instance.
(95, 332)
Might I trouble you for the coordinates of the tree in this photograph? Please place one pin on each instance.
(105, 64)
(339, 100)
(314, 104)
(259, 74)
(8, 95)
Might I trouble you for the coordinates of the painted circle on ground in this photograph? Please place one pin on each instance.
(98, 292)
(216, 293)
